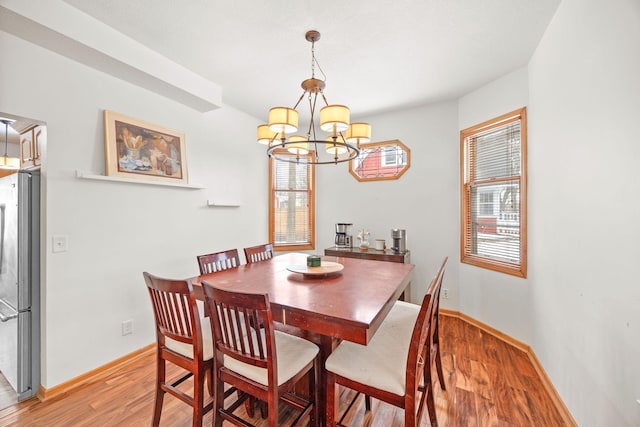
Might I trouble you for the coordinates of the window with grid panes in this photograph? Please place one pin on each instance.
(393, 156)
(494, 194)
(292, 201)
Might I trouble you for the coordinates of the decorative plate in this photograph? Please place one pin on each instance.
(327, 267)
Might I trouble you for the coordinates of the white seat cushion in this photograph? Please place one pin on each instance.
(381, 364)
(293, 353)
(187, 349)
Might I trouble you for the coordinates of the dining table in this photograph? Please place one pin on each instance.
(346, 300)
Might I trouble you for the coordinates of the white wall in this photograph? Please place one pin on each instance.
(424, 201)
(118, 230)
(584, 208)
(498, 299)
(578, 308)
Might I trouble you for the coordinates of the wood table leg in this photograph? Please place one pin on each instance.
(327, 345)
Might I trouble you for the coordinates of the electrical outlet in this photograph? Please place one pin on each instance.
(445, 293)
(127, 327)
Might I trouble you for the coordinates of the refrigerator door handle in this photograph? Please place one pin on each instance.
(7, 312)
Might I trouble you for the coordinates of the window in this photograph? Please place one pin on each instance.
(393, 156)
(381, 161)
(291, 201)
(485, 203)
(494, 194)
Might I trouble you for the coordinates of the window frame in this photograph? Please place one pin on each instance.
(310, 209)
(466, 255)
(401, 168)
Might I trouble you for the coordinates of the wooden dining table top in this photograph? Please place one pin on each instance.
(349, 304)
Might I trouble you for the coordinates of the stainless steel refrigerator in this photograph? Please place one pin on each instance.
(20, 281)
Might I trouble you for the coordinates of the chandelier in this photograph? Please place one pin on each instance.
(340, 145)
(7, 162)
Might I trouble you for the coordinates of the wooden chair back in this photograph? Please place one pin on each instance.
(180, 341)
(217, 261)
(422, 352)
(175, 312)
(234, 315)
(258, 253)
(244, 335)
(434, 324)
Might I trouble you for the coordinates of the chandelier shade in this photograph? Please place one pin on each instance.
(283, 120)
(359, 132)
(335, 149)
(266, 135)
(331, 118)
(298, 145)
(334, 118)
(9, 162)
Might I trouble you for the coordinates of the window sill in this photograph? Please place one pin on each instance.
(501, 267)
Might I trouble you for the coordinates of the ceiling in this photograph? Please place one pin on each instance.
(378, 55)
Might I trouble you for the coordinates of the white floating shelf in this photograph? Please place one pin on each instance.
(223, 203)
(85, 175)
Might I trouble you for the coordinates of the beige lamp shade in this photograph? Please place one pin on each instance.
(283, 119)
(265, 135)
(298, 145)
(9, 162)
(335, 149)
(334, 118)
(359, 132)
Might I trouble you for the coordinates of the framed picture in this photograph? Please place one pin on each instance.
(141, 150)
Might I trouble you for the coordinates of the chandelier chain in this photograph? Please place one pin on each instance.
(313, 59)
(314, 62)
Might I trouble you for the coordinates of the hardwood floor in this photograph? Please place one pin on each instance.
(489, 383)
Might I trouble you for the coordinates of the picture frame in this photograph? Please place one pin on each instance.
(136, 149)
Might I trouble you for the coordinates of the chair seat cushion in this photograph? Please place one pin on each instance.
(383, 362)
(293, 354)
(187, 349)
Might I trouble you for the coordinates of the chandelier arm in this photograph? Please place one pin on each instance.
(299, 99)
(343, 138)
(324, 98)
(311, 132)
(6, 139)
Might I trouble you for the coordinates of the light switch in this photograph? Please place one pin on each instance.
(60, 243)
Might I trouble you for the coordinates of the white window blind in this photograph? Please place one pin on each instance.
(291, 219)
(493, 232)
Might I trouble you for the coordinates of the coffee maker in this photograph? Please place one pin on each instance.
(343, 235)
(399, 239)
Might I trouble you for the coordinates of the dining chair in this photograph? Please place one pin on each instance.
(435, 336)
(212, 263)
(182, 338)
(217, 261)
(258, 253)
(396, 365)
(264, 362)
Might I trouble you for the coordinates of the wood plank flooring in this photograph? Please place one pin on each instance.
(489, 383)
